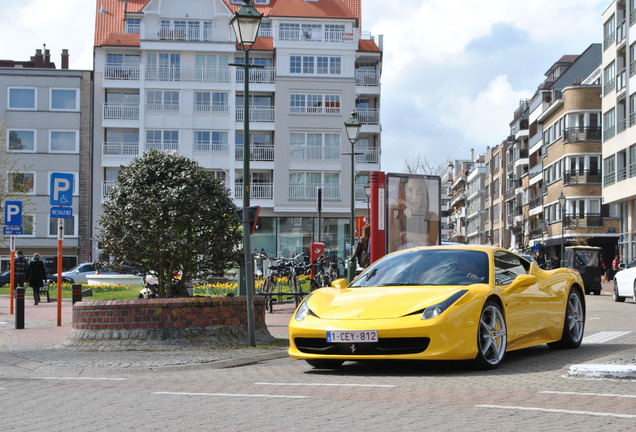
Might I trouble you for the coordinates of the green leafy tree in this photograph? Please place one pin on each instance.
(166, 215)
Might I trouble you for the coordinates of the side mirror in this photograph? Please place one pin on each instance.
(339, 283)
(622, 266)
(523, 281)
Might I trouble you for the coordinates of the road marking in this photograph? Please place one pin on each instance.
(602, 337)
(551, 410)
(66, 378)
(232, 395)
(589, 394)
(326, 385)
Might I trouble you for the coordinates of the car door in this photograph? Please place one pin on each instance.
(527, 305)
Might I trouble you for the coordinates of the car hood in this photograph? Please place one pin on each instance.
(376, 303)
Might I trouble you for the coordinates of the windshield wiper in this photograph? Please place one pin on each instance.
(399, 284)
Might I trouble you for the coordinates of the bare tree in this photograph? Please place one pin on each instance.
(421, 165)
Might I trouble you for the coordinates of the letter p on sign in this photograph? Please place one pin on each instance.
(61, 189)
(13, 213)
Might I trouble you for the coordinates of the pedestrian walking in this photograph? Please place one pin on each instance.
(20, 269)
(361, 252)
(36, 275)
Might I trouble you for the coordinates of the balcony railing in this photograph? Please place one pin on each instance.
(257, 76)
(582, 177)
(367, 78)
(314, 35)
(586, 220)
(257, 190)
(118, 149)
(257, 114)
(162, 146)
(162, 107)
(211, 108)
(536, 202)
(368, 155)
(195, 34)
(121, 72)
(609, 178)
(582, 134)
(310, 192)
(120, 111)
(315, 152)
(106, 187)
(257, 153)
(190, 74)
(369, 116)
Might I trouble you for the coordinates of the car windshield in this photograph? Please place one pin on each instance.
(427, 267)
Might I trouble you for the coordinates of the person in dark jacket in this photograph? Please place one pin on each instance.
(36, 275)
(20, 269)
(361, 252)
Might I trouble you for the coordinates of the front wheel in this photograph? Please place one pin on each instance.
(492, 337)
(617, 298)
(574, 322)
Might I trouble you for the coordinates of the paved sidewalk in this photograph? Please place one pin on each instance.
(40, 345)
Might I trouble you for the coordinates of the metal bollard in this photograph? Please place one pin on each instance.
(77, 293)
(19, 308)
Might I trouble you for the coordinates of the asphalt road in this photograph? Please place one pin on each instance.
(532, 391)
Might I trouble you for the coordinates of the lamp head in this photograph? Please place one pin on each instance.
(246, 22)
(352, 126)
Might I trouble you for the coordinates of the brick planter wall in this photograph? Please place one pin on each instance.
(144, 324)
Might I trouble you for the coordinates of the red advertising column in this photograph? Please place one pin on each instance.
(377, 206)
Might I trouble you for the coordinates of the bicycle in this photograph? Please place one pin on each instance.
(281, 275)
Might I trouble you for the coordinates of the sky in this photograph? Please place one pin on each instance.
(453, 71)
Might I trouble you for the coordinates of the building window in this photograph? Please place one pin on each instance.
(64, 100)
(133, 25)
(314, 104)
(157, 100)
(22, 183)
(64, 142)
(314, 146)
(211, 101)
(21, 140)
(315, 65)
(21, 98)
(69, 227)
(303, 185)
(162, 140)
(210, 141)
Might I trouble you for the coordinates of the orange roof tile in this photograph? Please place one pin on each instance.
(367, 45)
(111, 20)
(303, 8)
(122, 39)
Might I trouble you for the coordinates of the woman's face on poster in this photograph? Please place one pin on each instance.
(415, 193)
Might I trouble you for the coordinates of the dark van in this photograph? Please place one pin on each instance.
(587, 261)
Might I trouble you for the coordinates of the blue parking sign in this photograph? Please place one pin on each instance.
(61, 189)
(13, 213)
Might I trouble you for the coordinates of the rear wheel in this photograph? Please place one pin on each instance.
(491, 337)
(268, 289)
(298, 290)
(325, 364)
(617, 298)
(574, 323)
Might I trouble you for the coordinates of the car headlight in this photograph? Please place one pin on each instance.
(303, 309)
(437, 309)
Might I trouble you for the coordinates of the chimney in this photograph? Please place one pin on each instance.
(64, 59)
(47, 58)
(38, 61)
(472, 155)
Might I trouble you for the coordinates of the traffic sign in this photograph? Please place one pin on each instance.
(12, 230)
(61, 189)
(13, 213)
(61, 212)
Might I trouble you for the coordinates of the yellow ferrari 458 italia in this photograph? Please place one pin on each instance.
(440, 303)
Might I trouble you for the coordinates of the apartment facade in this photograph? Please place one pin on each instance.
(162, 81)
(47, 129)
(619, 118)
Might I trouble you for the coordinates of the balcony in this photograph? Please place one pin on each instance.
(257, 190)
(106, 187)
(257, 153)
(310, 192)
(257, 114)
(120, 149)
(582, 134)
(314, 35)
(304, 152)
(118, 111)
(257, 76)
(188, 74)
(582, 177)
(195, 34)
(369, 116)
(119, 72)
(589, 220)
(371, 156)
(367, 78)
(162, 107)
(162, 146)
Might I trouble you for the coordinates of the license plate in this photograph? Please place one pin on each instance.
(355, 336)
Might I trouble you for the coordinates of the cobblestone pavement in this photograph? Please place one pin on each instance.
(42, 345)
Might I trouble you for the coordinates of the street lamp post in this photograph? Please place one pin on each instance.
(367, 192)
(352, 126)
(562, 201)
(246, 22)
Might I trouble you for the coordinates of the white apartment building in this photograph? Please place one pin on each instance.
(619, 118)
(163, 81)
